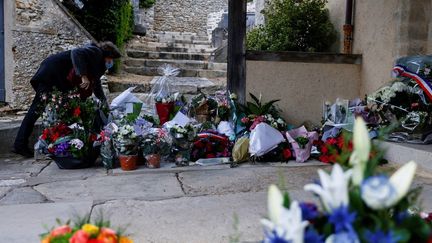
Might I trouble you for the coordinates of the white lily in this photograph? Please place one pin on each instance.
(402, 179)
(362, 147)
(286, 223)
(333, 190)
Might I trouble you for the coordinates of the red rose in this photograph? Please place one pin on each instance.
(77, 112)
(332, 141)
(324, 159)
(324, 150)
(210, 156)
(340, 142)
(93, 137)
(80, 237)
(61, 230)
(287, 154)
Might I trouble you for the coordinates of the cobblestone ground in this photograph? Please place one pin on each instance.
(192, 204)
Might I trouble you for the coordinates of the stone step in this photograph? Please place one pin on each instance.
(167, 55)
(184, 85)
(402, 153)
(217, 66)
(139, 44)
(155, 63)
(177, 36)
(153, 71)
(166, 48)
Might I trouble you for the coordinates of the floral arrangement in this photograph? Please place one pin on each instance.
(84, 232)
(126, 140)
(253, 120)
(332, 149)
(404, 102)
(156, 142)
(183, 138)
(358, 204)
(211, 144)
(68, 125)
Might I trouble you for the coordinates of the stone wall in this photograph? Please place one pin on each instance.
(41, 28)
(185, 15)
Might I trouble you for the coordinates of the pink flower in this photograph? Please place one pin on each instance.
(80, 237)
(61, 230)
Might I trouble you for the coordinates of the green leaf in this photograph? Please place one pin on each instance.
(255, 99)
(254, 109)
(266, 108)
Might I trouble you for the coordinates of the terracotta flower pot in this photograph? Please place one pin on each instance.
(128, 162)
(153, 160)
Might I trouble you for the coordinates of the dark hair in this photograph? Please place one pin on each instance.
(109, 49)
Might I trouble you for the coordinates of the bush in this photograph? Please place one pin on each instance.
(146, 3)
(294, 25)
(111, 21)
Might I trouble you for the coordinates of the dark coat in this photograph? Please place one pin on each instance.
(63, 71)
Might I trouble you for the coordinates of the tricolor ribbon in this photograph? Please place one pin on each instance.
(425, 84)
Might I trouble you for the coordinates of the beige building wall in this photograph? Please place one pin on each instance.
(302, 87)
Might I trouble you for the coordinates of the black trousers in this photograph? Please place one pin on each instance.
(34, 112)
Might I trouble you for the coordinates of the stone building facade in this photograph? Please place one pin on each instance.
(185, 15)
(34, 29)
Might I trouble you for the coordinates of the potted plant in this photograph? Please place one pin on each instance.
(154, 145)
(301, 141)
(183, 138)
(126, 145)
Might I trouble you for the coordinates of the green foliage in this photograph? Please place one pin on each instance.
(258, 108)
(111, 21)
(294, 25)
(146, 3)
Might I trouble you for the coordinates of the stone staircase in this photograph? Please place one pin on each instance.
(188, 51)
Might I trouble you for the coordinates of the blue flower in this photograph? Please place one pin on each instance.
(342, 219)
(378, 193)
(273, 237)
(312, 236)
(343, 237)
(309, 211)
(381, 237)
(401, 216)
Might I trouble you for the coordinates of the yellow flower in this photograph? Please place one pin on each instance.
(90, 229)
(125, 240)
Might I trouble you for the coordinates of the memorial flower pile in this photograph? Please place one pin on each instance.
(358, 204)
(84, 232)
(68, 125)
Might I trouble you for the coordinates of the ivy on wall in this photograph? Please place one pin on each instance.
(146, 3)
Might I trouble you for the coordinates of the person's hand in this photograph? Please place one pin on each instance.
(85, 84)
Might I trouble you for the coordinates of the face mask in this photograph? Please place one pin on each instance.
(109, 64)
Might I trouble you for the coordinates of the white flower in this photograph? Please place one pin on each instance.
(76, 126)
(402, 179)
(361, 150)
(333, 190)
(427, 71)
(77, 143)
(280, 121)
(378, 193)
(398, 87)
(286, 223)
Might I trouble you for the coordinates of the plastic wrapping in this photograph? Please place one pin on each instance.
(125, 97)
(240, 151)
(302, 151)
(263, 139)
(161, 99)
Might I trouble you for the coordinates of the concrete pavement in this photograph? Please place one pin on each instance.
(188, 204)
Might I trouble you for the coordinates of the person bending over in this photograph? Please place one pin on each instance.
(80, 68)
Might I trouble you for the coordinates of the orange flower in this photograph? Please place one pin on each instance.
(107, 236)
(80, 237)
(62, 230)
(46, 239)
(125, 240)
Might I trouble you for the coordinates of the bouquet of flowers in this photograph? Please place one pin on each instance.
(83, 231)
(154, 145)
(203, 108)
(183, 138)
(69, 130)
(406, 100)
(211, 144)
(359, 204)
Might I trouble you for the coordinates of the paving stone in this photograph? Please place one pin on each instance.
(53, 172)
(25, 195)
(17, 168)
(148, 187)
(195, 219)
(4, 190)
(25, 222)
(251, 179)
